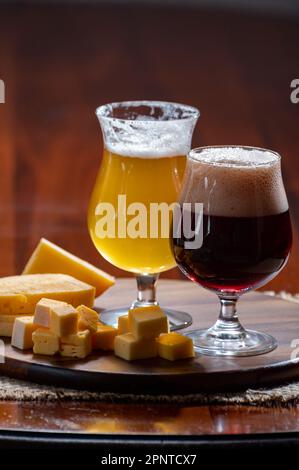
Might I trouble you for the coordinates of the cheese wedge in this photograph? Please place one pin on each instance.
(123, 324)
(20, 294)
(104, 337)
(50, 258)
(7, 324)
(45, 342)
(147, 322)
(88, 318)
(12, 303)
(173, 346)
(76, 345)
(22, 332)
(42, 314)
(129, 348)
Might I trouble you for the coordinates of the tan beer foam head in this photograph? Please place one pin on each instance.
(235, 182)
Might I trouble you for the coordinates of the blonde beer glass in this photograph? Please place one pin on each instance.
(145, 149)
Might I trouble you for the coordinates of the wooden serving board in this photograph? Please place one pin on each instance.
(105, 372)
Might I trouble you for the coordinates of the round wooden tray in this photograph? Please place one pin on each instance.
(105, 372)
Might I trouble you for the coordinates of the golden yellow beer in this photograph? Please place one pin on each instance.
(144, 180)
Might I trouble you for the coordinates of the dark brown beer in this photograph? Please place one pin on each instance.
(237, 253)
(246, 228)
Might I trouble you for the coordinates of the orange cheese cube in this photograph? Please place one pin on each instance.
(88, 318)
(173, 346)
(147, 322)
(129, 348)
(123, 324)
(104, 337)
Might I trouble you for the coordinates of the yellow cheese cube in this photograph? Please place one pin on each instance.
(7, 323)
(45, 342)
(33, 287)
(42, 314)
(123, 324)
(173, 346)
(63, 320)
(22, 332)
(129, 348)
(50, 258)
(147, 322)
(104, 337)
(76, 345)
(88, 318)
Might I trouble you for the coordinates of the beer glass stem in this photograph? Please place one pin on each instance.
(228, 326)
(146, 290)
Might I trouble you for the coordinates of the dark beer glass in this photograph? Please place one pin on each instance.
(233, 234)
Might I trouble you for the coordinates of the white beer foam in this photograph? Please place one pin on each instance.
(148, 136)
(235, 182)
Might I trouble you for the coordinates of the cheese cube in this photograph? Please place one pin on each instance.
(20, 294)
(42, 314)
(50, 258)
(129, 348)
(173, 346)
(76, 345)
(7, 324)
(123, 324)
(45, 342)
(104, 337)
(63, 320)
(88, 318)
(22, 332)
(147, 322)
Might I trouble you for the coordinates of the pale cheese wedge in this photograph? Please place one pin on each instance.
(50, 258)
(20, 294)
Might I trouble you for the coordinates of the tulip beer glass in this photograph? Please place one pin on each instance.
(243, 233)
(145, 148)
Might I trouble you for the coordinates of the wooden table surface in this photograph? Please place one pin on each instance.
(58, 64)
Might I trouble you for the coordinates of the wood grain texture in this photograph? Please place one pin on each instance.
(105, 372)
(114, 419)
(60, 62)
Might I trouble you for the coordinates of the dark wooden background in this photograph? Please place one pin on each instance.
(60, 62)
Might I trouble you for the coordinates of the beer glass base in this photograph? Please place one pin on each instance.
(177, 320)
(250, 343)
